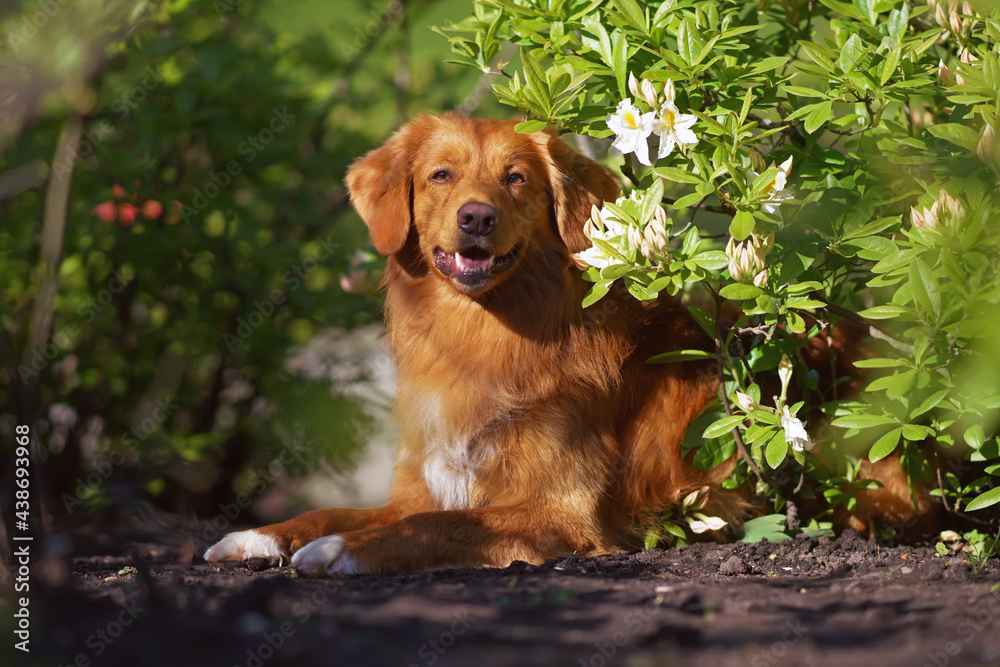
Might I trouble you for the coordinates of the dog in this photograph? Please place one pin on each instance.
(530, 428)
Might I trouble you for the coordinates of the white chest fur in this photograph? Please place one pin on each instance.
(452, 458)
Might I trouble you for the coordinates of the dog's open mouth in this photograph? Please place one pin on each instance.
(473, 267)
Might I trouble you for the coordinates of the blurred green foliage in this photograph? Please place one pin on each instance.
(207, 225)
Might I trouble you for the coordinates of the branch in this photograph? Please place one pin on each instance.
(872, 331)
(722, 391)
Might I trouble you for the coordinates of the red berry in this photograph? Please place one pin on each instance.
(106, 211)
(126, 214)
(152, 209)
(119, 192)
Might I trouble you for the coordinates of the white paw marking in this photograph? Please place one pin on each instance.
(324, 557)
(244, 545)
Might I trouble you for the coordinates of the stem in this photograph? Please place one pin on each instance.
(53, 230)
(722, 390)
(872, 331)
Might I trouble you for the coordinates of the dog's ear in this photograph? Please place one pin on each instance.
(381, 184)
(578, 183)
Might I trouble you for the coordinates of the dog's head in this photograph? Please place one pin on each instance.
(481, 197)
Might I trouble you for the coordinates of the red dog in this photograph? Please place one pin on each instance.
(530, 427)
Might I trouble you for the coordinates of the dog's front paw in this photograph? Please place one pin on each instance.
(324, 557)
(247, 545)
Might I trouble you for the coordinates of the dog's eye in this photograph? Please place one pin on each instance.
(441, 176)
(516, 179)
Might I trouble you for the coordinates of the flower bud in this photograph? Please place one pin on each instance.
(669, 91)
(925, 221)
(648, 92)
(987, 148)
(765, 244)
(968, 9)
(952, 207)
(967, 57)
(746, 403)
(656, 235)
(941, 16)
(955, 23)
(633, 85)
(635, 237)
(945, 74)
(785, 372)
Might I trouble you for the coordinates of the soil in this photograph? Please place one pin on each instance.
(844, 602)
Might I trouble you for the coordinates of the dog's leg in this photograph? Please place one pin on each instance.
(492, 537)
(281, 540)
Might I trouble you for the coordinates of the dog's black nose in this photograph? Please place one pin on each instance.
(477, 219)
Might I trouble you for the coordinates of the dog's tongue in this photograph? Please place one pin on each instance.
(465, 264)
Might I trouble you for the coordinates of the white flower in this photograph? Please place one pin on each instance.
(795, 432)
(674, 128)
(700, 523)
(631, 129)
(600, 226)
(775, 192)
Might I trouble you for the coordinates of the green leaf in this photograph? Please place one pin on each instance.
(678, 175)
(679, 355)
(596, 293)
(862, 421)
(851, 53)
(974, 436)
(633, 14)
(885, 445)
(722, 426)
(956, 133)
(740, 292)
(713, 260)
(880, 363)
(886, 312)
(768, 64)
(770, 528)
(804, 92)
(925, 286)
(929, 403)
(530, 126)
(899, 20)
(819, 55)
(688, 45)
(688, 200)
(714, 453)
(818, 116)
(991, 497)
(742, 225)
(867, 9)
(776, 451)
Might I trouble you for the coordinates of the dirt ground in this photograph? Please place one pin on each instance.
(842, 602)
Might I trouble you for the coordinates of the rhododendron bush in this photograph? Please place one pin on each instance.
(788, 166)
